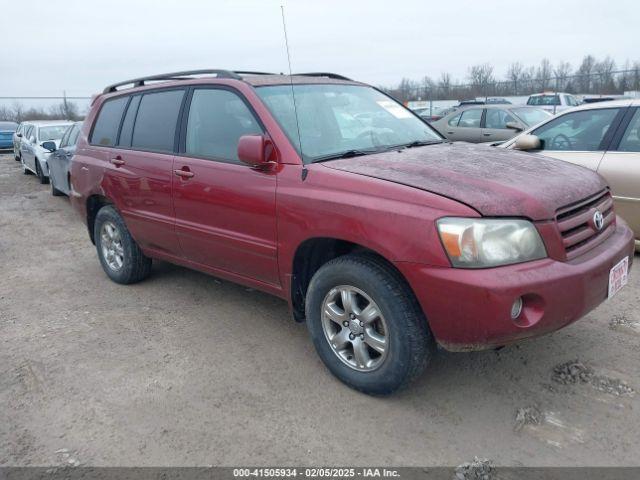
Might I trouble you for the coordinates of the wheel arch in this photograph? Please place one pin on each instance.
(94, 204)
(314, 252)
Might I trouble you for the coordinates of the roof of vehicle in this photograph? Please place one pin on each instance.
(549, 93)
(8, 124)
(627, 102)
(211, 76)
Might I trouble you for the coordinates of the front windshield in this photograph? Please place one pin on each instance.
(338, 118)
(531, 116)
(52, 133)
(544, 100)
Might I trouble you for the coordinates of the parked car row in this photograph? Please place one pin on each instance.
(488, 123)
(384, 237)
(45, 148)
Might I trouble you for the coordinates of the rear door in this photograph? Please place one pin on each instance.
(495, 125)
(465, 127)
(621, 168)
(225, 210)
(27, 147)
(140, 133)
(579, 137)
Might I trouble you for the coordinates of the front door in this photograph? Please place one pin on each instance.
(495, 125)
(621, 168)
(579, 137)
(225, 210)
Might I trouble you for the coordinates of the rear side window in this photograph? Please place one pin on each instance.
(217, 120)
(453, 122)
(127, 125)
(155, 124)
(105, 130)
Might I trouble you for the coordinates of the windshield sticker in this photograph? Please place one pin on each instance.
(394, 109)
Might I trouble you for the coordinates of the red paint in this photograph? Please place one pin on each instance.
(245, 223)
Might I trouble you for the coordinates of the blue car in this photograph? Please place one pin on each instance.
(6, 134)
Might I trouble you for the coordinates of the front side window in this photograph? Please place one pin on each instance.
(106, 127)
(471, 118)
(73, 138)
(156, 121)
(65, 138)
(496, 118)
(453, 121)
(54, 132)
(631, 139)
(334, 119)
(531, 116)
(578, 131)
(217, 119)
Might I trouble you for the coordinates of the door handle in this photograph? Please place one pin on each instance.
(487, 134)
(450, 133)
(117, 161)
(183, 173)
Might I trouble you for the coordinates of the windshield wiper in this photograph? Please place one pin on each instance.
(345, 154)
(420, 143)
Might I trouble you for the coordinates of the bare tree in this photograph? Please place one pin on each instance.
(604, 70)
(514, 75)
(543, 74)
(444, 84)
(561, 72)
(584, 73)
(481, 77)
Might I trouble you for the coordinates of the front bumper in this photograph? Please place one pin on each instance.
(471, 309)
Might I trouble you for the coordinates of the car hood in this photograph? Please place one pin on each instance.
(495, 182)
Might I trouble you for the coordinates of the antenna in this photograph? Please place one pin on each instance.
(293, 93)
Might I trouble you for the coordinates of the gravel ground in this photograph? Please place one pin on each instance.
(185, 369)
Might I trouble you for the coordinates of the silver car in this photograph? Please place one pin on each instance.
(604, 137)
(33, 155)
(489, 123)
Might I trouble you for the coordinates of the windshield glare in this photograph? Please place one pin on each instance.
(336, 118)
(51, 133)
(531, 116)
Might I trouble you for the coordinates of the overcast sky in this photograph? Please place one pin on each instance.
(80, 46)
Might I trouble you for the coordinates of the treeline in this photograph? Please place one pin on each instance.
(591, 76)
(64, 110)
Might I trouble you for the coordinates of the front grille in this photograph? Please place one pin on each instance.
(577, 226)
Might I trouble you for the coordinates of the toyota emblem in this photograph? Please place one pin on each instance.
(598, 220)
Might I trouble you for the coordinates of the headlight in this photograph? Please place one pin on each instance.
(486, 242)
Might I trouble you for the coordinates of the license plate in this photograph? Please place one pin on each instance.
(618, 276)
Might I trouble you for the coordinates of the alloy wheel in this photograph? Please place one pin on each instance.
(111, 246)
(355, 328)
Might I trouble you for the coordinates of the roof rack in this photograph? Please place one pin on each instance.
(323, 74)
(139, 82)
(246, 72)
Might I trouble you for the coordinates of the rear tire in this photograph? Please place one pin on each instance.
(119, 254)
(400, 333)
(43, 180)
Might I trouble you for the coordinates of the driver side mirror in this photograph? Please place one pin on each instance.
(255, 150)
(19, 135)
(49, 145)
(514, 126)
(527, 142)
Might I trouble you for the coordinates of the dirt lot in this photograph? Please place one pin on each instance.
(185, 369)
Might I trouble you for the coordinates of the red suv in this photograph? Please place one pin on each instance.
(382, 236)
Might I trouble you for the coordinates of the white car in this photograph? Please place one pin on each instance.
(553, 102)
(604, 137)
(33, 154)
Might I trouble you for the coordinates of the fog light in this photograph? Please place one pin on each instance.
(516, 308)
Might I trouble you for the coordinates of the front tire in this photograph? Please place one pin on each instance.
(119, 254)
(367, 325)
